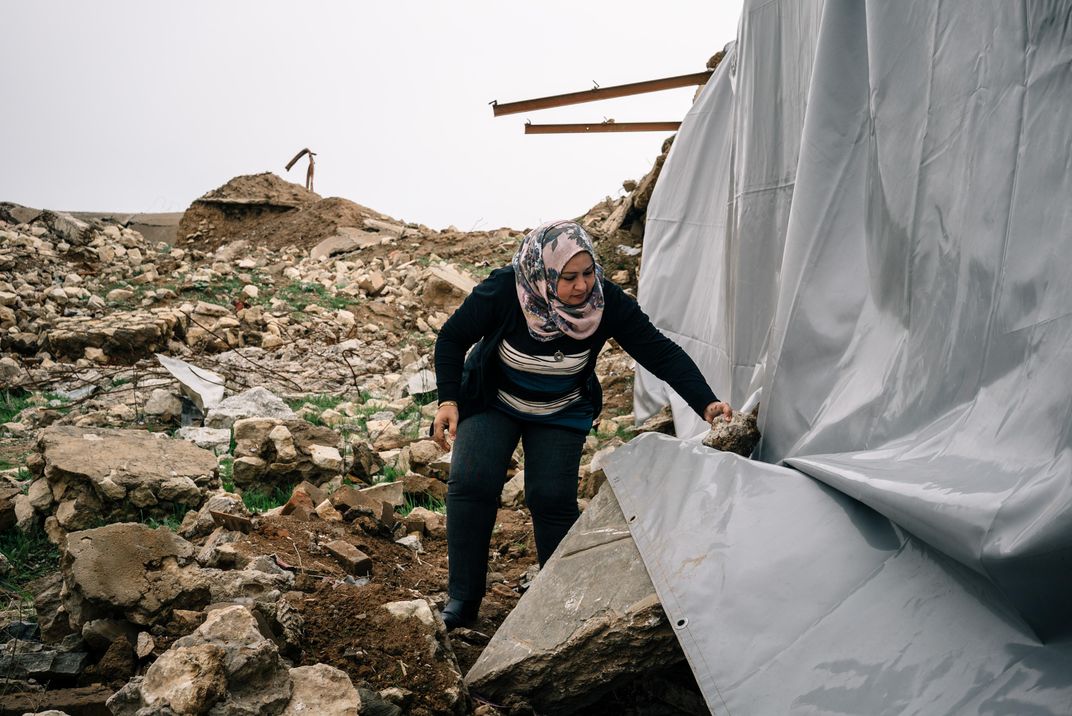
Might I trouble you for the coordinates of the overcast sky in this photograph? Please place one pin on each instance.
(144, 106)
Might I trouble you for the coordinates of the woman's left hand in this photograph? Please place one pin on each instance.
(712, 411)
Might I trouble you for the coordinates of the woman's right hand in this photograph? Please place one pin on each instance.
(446, 421)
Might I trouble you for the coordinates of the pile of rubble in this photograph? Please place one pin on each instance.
(226, 441)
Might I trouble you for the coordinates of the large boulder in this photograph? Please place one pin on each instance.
(98, 474)
(129, 571)
(590, 622)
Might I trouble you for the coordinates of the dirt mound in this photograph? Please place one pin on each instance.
(267, 189)
(268, 211)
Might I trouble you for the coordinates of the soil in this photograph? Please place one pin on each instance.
(266, 210)
(348, 628)
(343, 625)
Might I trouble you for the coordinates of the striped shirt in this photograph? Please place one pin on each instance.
(541, 381)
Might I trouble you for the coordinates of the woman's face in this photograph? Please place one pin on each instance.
(576, 279)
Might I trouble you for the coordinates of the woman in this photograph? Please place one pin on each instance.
(538, 326)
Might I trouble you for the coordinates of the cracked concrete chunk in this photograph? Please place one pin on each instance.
(128, 570)
(592, 604)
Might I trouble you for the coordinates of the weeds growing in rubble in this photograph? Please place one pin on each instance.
(391, 473)
(428, 502)
(13, 402)
(30, 554)
(258, 500)
(320, 401)
(301, 294)
(172, 521)
(227, 473)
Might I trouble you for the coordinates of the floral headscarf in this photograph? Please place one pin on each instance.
(543, 253)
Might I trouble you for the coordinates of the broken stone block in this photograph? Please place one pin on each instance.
(353, 560)
(513, 492)
(108, 474)
(446, 288)
(432, 523)
(423, 452)
(739, 435)
(348, 239)
(40, 495)
(226, 666)
(367, 461)
(413, 609)
(163, 405)
(80, 700)
(184, 679)
(322, 690)
(283, 442)
(248, 470)
(414, 485)
(145, 645)
(327, 512)
(121, 337)
(128, 570)
(216, 440)
(411, 541)
(7, 506)
(326, 458)
(202, 522)
(316, 494)
(390, 492)
(593, 604)
(100, 633)
(300, 505)
(385, 435)
(253, 403)
(264, 454)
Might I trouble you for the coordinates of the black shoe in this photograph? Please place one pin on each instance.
(460, 612)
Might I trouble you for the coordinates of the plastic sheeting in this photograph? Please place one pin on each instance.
(869, 203)
(791, 598)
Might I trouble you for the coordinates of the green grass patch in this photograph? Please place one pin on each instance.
(30, 554)
(428, 502)
(301, 294)
(13, 402)
(171, 521)
(319, 401)
(227, 474)
(391, 473)
(480, 272)
(257, 499)
(314, 419)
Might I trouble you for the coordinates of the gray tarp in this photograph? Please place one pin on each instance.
(871, 203)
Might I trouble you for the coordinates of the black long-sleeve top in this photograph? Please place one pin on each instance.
(492, 310)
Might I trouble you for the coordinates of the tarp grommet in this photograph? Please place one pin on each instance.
(681, 623)
(632, 518)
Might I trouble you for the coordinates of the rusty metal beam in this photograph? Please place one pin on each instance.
(561, 100)
(602, 127)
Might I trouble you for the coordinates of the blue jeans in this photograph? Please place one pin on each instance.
(478, 466)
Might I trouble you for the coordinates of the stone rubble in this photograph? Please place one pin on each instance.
(174, 383)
